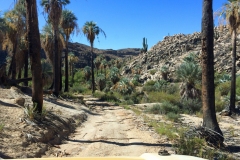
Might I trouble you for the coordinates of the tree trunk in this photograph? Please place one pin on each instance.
(66, 66)
(12, 68)
(92, 67)
(56, 67)
(233, 78)
(34, 49)
(208, 93)
(19, 73)
(26, 68)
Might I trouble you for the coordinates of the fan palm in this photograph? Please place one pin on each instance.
(189, 73)
(34, 48)
(69, 24)
(91, 30)
(72, 59)
(230, 13)
(87, 72)
(207, 62)
(54, 10)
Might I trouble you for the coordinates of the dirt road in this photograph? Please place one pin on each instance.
(112, 131)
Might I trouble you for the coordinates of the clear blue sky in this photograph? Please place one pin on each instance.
(126, 22)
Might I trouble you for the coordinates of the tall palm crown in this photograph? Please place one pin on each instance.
(230, 13)
(91, 30)
(54, 9)
(68, 22)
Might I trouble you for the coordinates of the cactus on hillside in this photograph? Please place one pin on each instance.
(145, 45)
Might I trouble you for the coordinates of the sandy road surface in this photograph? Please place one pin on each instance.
(112, 131)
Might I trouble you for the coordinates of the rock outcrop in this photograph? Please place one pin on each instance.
(172, 49)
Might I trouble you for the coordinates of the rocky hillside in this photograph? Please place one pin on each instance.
(84, 53)
(172, 49)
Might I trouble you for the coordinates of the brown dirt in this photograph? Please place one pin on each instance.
(109, 130)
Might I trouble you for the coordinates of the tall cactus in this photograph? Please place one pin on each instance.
(145, 45)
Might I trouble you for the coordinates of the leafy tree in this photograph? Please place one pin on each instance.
(207, 60)
(69, 24)
(91, 30)
(54, 10)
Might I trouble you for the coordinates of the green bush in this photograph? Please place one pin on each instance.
(168, 107)
(162, 96)
(150, 83)
(78, 88)
(224, 88)
(153, 71)
(191, 105)
(163, 108)
(155, 109)
(173, 116)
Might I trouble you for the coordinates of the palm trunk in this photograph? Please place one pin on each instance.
(12, 68)
(20, 73)
(56, 68)
(233, 78)
(92, 67)
(34, 49)
(66, 67)
(26, 68)
(208, 93)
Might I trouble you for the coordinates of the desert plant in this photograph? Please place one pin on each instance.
(145, 45)
(101, 81)
(189, 73)
(124, 86)
(114, 75)
(1, 127)
(164, 71)
(191, 105)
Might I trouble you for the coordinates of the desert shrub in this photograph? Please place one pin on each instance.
(194, 146)
(162, 96)
(172, 88)
(150, 83)
(219, 103)
(153, 71)
(168, 107)
(1, 127)
(155, 109)
(124, 86)
(163, 108)
(224, 88)
(191, 105)
(79, 77)
(173, 116)
(238, 85)
(78, 88)
(161, 85)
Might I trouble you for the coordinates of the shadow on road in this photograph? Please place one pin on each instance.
(122, 144)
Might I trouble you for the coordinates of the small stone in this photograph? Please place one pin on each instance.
(20, 101)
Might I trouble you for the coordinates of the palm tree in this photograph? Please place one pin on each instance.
(14, 29)
(47, 43)
(91, 30)
(87, 72)
(68, 24)
(114, 75)
(54, 10)
(34, 49)
(189, 74)
(72, 59)
(207, 60)
(231, 13)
